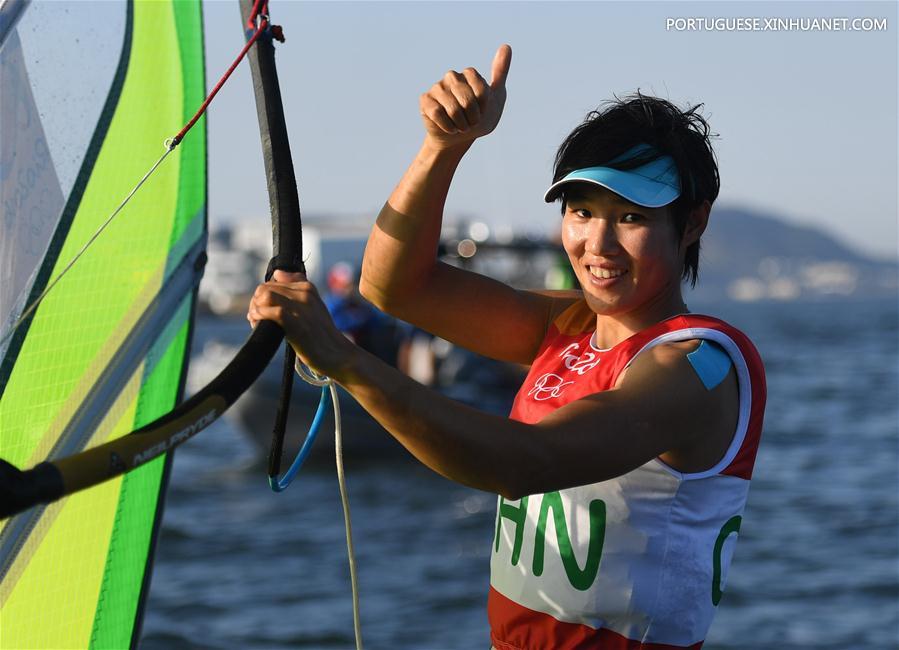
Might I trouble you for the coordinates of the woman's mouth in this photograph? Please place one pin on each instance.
(605, 274)
(599, 274)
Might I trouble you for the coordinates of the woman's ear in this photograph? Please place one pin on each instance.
(697, 221)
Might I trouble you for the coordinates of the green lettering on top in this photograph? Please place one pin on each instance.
(516, 514)
(731, 527)
(580, 579)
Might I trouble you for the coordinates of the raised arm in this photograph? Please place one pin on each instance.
(400, 272)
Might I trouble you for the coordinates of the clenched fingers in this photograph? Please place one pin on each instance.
(465, 95)
(433, 111)
(272, 301)
(454, 103)
(442, 106)
(462, 106)
(479, 87)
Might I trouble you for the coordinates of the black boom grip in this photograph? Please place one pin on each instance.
(21, 490)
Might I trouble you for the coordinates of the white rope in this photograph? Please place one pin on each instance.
(311, 377)
(344, 499)
(43, 294)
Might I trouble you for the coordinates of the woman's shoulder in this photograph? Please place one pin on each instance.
(569, 312)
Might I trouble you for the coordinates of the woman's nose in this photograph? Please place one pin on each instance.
(602, 238)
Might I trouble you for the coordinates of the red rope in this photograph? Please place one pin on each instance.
(259, 8)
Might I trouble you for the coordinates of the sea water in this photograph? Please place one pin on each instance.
(816, 565)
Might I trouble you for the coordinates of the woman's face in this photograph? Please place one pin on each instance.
(626, 257)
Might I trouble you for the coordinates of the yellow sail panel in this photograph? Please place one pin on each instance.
(105, 352)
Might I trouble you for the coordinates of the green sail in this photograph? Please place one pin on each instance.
(106, 350)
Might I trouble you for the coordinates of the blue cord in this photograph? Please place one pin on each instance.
(280, 483)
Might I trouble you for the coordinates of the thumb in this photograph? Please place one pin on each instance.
(286, 277)
(500, 68)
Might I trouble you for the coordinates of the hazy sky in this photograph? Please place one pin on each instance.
(807, 119)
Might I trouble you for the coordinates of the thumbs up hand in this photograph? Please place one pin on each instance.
(462, 106)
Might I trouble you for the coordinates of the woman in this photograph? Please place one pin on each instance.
(623, 469)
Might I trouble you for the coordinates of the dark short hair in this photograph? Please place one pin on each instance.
(622, 123)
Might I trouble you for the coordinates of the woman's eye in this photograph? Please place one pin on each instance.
(632, 217)
(581, 212)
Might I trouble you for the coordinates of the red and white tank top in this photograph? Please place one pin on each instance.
(638, 561)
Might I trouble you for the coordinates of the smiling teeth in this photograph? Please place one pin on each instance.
(605, 274)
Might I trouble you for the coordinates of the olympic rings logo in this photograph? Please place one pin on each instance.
(548, 386)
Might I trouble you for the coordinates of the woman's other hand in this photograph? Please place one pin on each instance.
(462, 106)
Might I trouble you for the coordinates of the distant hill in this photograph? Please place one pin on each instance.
(750, 256)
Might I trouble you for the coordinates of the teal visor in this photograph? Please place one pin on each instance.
(652, 185)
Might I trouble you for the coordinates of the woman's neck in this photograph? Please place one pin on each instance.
(611, 329)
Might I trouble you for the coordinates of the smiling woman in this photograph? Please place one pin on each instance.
(622, 254)
(623, 469)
